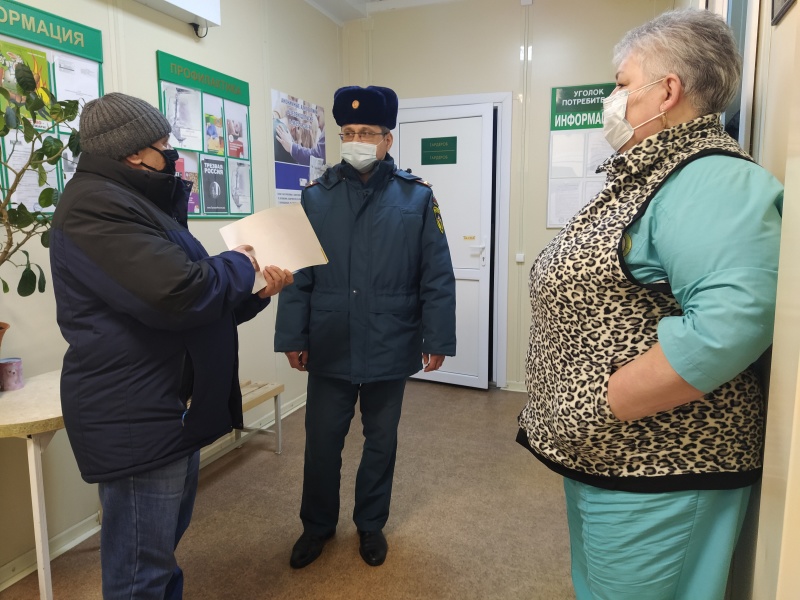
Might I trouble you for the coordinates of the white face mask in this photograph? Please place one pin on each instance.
(360, 155)
(616, 129)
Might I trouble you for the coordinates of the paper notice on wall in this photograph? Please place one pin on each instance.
(281, 236)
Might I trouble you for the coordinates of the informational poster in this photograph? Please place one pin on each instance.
(210, 117)
(239, 186)
(236, 127)
(298, 130)
(11, 55)
(577, 148)
(69, 164)
(186, 166)
(76, 79)
(215, 185)
(68, 66)
(214, 125)
(16, 152)
(183, 111)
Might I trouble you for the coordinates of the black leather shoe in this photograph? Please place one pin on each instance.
(373, 547)
(307, 549)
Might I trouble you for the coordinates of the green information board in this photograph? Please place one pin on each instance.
(578, 107)
(181, 71)
(27, 23)
(439, 151)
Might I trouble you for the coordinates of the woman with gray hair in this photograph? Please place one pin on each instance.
(648, 310)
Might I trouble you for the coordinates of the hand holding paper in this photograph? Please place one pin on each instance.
(281, 235)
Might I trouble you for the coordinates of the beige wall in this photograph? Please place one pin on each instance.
(281, 44)
(778, 149)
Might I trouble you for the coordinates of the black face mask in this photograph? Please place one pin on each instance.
(170, 158)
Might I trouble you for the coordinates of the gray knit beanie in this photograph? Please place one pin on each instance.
(117, 125)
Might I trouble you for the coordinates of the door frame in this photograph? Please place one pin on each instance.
(501, 101)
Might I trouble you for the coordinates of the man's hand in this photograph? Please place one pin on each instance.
(277, 279)
(298, 360)
(249, 253)
(432, 362)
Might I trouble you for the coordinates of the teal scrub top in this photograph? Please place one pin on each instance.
(713, 232)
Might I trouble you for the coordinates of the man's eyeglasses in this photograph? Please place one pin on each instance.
(367, 136)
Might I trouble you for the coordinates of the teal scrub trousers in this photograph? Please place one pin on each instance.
(665, 546)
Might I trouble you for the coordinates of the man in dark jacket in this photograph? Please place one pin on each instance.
(378, 312)
(150, 320)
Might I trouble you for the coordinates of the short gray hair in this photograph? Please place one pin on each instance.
(697, 46)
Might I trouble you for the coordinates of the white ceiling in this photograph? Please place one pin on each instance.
(341, 11)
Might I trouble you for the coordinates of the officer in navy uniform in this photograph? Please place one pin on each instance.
(381, 309)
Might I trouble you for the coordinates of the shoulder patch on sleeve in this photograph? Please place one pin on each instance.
(437, 213)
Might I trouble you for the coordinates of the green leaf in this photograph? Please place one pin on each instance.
(37, 157)
(25, 79)
(45, 237)
(42, 280)
(57, 112)
(71, 108)
(5, 94)
(46, 197)
(52, 146)
(23, 217)
(56, 197)
(74, 143)
(28, 130)
(33, 103)
(42, 175)
(27, 282)
(11, 118)
(3, 281)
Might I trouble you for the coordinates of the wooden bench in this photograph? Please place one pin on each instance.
(254, 393)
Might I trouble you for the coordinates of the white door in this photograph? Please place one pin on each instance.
(451, 148)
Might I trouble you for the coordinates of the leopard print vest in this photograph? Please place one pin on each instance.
(590, 317)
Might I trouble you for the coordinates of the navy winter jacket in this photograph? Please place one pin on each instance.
(150, 319)
(387, 293)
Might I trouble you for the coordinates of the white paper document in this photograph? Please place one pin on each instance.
(281, 236)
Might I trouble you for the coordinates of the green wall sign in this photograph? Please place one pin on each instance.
(25, 23)
(177, 70)
(439, 151)
(578, 107)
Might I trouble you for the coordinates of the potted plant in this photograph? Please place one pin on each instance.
(32, 115)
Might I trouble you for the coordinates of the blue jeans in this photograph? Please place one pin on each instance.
(144, 517)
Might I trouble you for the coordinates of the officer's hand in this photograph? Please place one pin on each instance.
(249, 253)
(432, 362)
(276, 279)
(298, 360)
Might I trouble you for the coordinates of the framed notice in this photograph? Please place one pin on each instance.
(779, 8)
(577, 148)
(210, 117)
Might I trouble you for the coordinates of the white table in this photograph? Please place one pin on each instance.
(34, 413)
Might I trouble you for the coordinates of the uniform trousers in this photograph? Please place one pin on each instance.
(330, 407)
(664, 546)
(144, 517)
